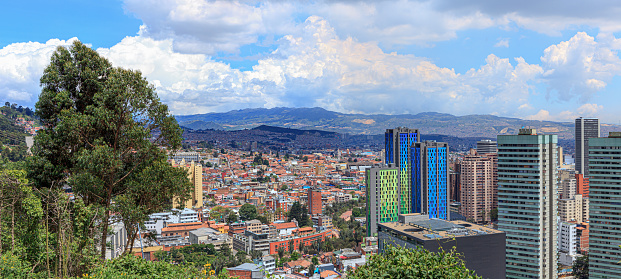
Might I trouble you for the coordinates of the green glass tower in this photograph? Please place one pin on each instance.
(605, 206)
(527, 197)
(382, 196)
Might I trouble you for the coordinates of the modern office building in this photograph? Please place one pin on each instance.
(314, 202)
(195, 174)
(605, 206)
(483, 249)
(398, 142)
(486, 146)
(586, 128)
(479, 187)
(527, 196)
(382, 194)
(430, 193)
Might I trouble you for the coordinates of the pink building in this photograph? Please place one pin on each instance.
(479, 186)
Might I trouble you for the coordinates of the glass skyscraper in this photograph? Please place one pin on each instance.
(527, 197)
(398, 142)
(429, 190)
(605, 206)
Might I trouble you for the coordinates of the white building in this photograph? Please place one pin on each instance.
(567, 243)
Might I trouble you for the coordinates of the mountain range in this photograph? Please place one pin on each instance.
(483, 126)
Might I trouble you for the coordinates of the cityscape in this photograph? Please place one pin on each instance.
(310, 140)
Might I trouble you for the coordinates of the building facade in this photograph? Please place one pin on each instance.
(398, 142)
(605, 206)
(585, 128)
(430, 171)
(382, 194)
(527, 196)
(486, 146)
(479, 193)
(195, 174)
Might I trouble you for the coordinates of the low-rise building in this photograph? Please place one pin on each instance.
(246, 271)
(210, 236)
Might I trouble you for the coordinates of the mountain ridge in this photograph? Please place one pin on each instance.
(475, 125)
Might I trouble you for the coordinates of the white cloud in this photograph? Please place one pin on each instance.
(580, 66)
(589, 110)
(502, 42)
(200, 26)
(21, 66)
(318, 68)
(563, 116)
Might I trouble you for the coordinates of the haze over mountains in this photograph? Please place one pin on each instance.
(484, 126)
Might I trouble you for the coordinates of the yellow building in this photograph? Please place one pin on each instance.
(195, 174)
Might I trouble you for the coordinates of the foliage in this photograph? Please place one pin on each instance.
(247, 212)
(199, 255)
(356, 212)
(399, 262)
(98, 138)
(222, 214)
(134, 267)
(493, 214)
(11, 266)
(300, 214)
(581, 267)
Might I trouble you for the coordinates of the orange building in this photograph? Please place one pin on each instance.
(582, 185)
(314, 202)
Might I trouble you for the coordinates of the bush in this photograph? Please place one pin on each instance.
(136, 268)
(399, 262)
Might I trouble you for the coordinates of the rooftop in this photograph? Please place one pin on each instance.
(438, 229)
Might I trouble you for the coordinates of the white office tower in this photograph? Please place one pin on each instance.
(527, 195)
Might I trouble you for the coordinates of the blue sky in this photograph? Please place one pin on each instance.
(556, 60)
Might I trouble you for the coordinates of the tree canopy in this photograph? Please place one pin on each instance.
(105, 134)
(247, 212)
(399, 262)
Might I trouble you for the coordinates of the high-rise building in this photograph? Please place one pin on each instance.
(605, 206)
(527, 196)
(586, 128)
(567, 187)
(430, 192)
(398, 142)
(582, 185)
(486, 146)
(574, 209)
(382, 194)
(314, 202)
(195, 174)
(479, 194)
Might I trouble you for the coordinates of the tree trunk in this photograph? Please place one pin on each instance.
(104, 233)
(13, 227)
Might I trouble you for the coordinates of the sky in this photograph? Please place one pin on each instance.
(544, 60)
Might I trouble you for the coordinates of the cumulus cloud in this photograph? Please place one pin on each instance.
(589, 110)
(200, 26)
(21, 66)
(204, 26)
(316, 67)
(580, 66)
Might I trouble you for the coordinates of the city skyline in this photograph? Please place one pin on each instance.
(553, 61)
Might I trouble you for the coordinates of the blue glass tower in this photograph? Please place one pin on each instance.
(398, 143)
(429, 191)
